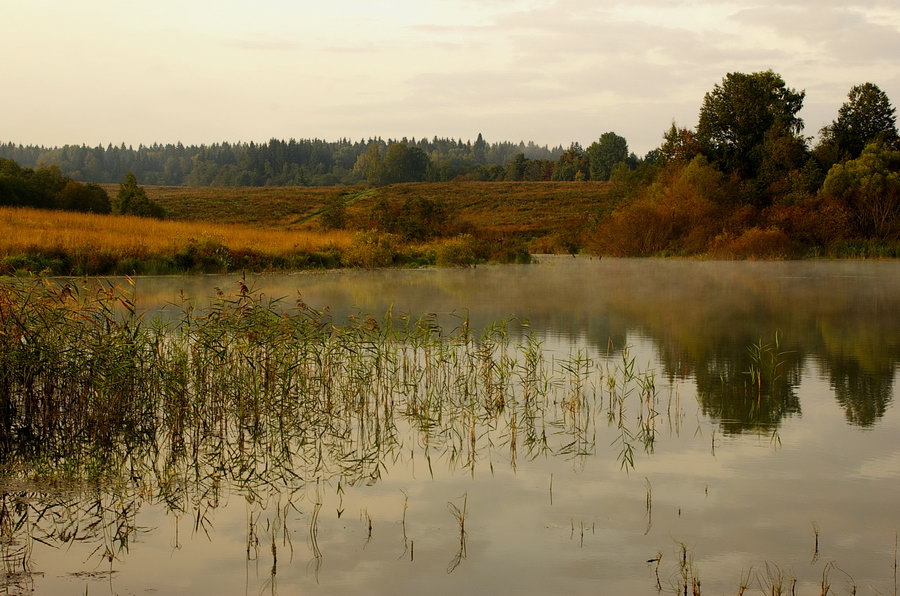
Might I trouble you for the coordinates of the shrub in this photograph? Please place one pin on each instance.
(755, 243)
(456, 251)
(815, 222)
(371, 249)
(650, 227)
(205, 254)
(870, 187)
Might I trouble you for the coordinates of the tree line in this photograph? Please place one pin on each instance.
(747, 182)
(305, 162)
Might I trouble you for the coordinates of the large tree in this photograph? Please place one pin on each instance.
(403, 163)
(572, 164)
(369, 165)
(740, 113)
(866, 116)
(604, 153)
(680, 145)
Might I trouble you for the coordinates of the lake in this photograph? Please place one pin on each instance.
(703, 424)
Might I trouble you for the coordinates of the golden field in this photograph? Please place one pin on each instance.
(24, 228)
(71, 243)
(214, 229)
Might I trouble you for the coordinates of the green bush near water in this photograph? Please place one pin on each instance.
(459, 251)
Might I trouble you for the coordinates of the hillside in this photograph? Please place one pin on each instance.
(222, 229)
(531, 209)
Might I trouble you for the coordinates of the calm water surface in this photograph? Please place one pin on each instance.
(803, 478)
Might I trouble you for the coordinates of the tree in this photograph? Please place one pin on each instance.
(679, 145)
(737, 115)
(870, 187)
(133, 200)
(403, 163)
(368, 164)
(49, 179)
(605, 153)
(572, 164)
(866, 116)
(90, 198)
(479, 150)
(515, 169)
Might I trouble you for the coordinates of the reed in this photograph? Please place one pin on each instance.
(460, 514)
(266, 396)
(766, 363)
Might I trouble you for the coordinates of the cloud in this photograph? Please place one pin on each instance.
(548, 70)
(836, 34)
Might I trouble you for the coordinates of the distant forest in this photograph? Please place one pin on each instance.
(304, 162)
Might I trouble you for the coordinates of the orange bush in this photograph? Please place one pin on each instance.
(816, 222)
(754, 243)
(674, 225)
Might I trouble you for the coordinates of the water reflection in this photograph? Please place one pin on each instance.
(750, 388)
(353, 494)
(702, 317)
(864, 394)
(245, 398)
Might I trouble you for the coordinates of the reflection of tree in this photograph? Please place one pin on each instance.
(702, 316)
(864, 395)
(727, 391)
(697, 313)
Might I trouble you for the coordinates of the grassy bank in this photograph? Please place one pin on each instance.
(214, 229)
(66, 243)
(69, 243)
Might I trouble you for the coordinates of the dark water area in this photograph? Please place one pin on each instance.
(775, 454)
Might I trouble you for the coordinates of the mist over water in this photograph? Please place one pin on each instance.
(774, 440)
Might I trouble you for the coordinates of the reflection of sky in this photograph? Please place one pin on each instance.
(753, 500)
(735, 500)
(697, 315)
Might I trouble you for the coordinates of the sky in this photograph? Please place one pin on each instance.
(549, 71)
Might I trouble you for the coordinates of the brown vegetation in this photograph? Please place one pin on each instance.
(76, 243)
(497, 206)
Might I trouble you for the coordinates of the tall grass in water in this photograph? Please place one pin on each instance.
(267, 397)
(766, 363)
(89, 385)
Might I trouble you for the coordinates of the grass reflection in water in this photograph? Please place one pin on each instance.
(104, 412)
(265, 399)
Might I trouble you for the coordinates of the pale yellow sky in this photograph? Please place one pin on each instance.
(552, 71)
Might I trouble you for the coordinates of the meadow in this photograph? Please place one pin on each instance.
(71, 243)
(222, 229)
(535, 208)
(261, 229)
